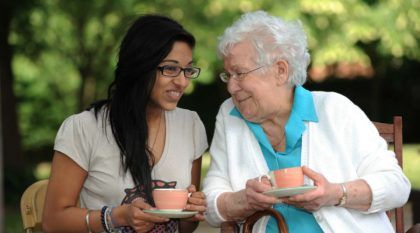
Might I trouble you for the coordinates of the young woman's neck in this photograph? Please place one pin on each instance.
(153, 114)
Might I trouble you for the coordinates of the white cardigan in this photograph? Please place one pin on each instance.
(343, 146)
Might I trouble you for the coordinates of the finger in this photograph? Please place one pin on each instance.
(197, 203)
(264, 179)
(153, 218)
(257, 186)
(196, 207)
(312, 174)
(191, 188)
(200, 208)
(259, 206)
(139, 203)
(200, 195)
(199, 217)
(197, 200)
(261, 198)
(305, 197)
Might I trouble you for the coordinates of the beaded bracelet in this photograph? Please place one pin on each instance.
(103, 219)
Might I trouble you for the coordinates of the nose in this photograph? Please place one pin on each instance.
(181, 80)
(233, 86)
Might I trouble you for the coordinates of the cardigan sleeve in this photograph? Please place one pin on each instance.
(376, 164)
(217, 181)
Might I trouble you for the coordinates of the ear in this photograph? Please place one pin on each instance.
(282, 71)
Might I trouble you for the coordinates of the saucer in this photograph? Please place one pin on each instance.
(172, 213)
(286, 192)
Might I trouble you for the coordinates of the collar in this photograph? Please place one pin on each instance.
(303, 109)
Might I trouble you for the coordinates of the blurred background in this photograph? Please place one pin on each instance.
(58, 56)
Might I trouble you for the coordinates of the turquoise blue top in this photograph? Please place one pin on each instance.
(303, 109)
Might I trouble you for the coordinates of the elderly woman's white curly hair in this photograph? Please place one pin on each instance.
(273, 38)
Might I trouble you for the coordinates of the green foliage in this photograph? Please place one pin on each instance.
(65, 51)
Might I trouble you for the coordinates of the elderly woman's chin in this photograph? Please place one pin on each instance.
(249, 114)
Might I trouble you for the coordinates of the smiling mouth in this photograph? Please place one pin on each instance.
(242, 100)
(175, 94)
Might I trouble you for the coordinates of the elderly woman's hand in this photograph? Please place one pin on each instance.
(325, 193)
(138, 220)
(254, 194)
(196, 202)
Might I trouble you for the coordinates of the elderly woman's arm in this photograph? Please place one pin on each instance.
(224, 201)
(356, 194)
(241, 204)
(379, 183)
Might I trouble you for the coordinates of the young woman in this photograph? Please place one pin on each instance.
(110, 157)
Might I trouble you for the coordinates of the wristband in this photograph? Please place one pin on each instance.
(87, 221)
(103, 219)
(112, 222)
(343, 199)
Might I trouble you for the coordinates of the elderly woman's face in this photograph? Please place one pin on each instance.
(257, 94)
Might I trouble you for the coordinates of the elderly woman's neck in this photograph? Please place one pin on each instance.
(281, 111)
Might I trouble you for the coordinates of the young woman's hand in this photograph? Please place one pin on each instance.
(139, 220)
(196, 202)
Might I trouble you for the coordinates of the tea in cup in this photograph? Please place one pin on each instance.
(286, 178)
(170, 199)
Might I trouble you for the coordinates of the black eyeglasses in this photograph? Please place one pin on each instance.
(174, 71)
(225, 76)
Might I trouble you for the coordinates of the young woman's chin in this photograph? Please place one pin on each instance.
(169, 106)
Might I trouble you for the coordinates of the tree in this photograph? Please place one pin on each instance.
(12, 142)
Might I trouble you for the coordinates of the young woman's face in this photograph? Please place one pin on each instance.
(167, 91)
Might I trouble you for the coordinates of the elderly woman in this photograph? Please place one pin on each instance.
(272, 122)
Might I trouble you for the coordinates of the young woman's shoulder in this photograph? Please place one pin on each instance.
(85, 121)
(185, 114)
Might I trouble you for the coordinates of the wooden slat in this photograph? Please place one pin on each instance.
(392, 133)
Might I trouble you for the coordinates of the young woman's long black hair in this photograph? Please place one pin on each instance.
(147, 42)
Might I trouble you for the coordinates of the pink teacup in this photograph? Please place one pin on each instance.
(170, 199)
(286, 178)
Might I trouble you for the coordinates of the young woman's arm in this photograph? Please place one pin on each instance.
(61, 213)
(196, 202)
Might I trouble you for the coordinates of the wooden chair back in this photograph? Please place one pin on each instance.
(392, 133)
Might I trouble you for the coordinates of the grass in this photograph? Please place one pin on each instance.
(12, 221)
(411, 164)
(411, 154)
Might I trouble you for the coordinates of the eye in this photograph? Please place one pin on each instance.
(171, 69)
(190, 71)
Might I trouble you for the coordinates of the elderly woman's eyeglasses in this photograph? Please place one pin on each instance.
(225, 76)
(174, 71)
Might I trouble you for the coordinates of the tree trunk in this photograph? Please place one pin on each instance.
(12, 151)
(87, 88)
